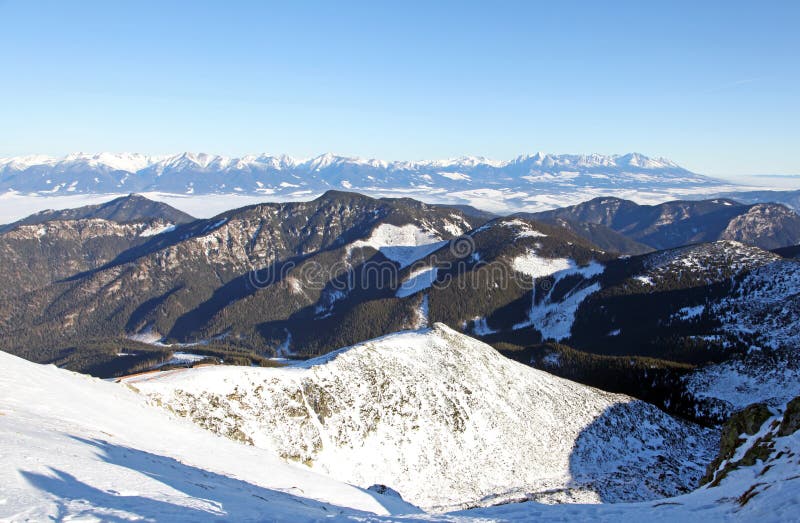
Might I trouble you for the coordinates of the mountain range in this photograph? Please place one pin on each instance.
(676, 223)
(248, 284)
(390, 356)
(528, 182)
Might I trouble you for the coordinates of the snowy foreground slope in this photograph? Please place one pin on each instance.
(447, 422)
(74, 447)
(77, 448)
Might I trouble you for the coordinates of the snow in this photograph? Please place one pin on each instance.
(524, 229)
(539, 267)
(213, 226)
(183, 358)
(419, 280)
(402, 244)
(761, 310)
(552, 360)
(421, 320)
(481, 327)
(455, 176)
(687, 313)
(285, 348)
(159, 229)
(558, 180)
(444, 420)
(76, 448)
(553, 319)
(79, 448)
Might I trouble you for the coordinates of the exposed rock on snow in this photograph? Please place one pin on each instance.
(76, 448)
(447, 422)
(763, 308)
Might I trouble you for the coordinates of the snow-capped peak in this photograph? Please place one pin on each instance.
(133, 162)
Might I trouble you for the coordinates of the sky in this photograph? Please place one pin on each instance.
(714, 86)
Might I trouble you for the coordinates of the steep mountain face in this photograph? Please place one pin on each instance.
(127, 209)
(769, 226)
(178, 277)
(673, 224)
(727, 309)
(53, 245)
(34, 256)
(447, 422)
(302, 279)
(360, 297)
(754, 478)
(761, 312)
(529, 181)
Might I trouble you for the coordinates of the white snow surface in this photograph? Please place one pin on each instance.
(158, 229)
(183, 358)
(554, 318)
(402, 244)
(523, 228)
(768, 491)
(76, 448)
(419, 280)
(537, 266)
(447, 422)
(206, 184)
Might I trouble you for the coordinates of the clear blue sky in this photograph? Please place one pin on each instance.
(715, 86)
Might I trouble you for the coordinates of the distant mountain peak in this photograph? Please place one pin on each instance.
(505, 185)
(124, 209)
(133, 162)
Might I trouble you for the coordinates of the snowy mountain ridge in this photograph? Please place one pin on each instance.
(133, 162)
(531, 182)
(447, 422)
(79, 448)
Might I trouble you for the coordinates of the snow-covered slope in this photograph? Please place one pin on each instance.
(77, 448)
(757, 482)
(530, 182)
(74, 448)
(404, 244)
(763, 310)
(446, 421)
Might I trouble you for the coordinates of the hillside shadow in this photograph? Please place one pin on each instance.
(206, 496)
(623, 458)
(368, 286)
(270, 278)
